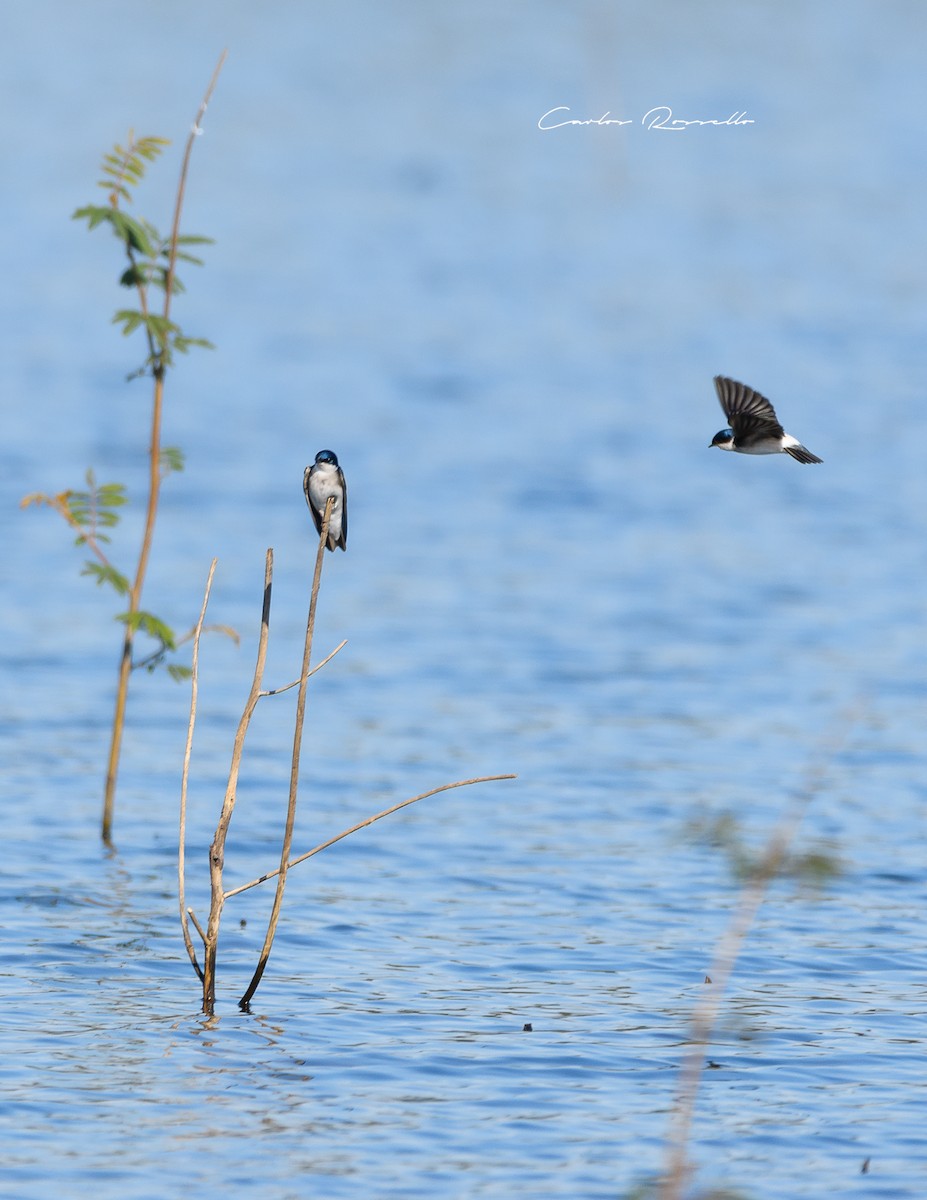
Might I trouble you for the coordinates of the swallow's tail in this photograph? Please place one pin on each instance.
(801, 454)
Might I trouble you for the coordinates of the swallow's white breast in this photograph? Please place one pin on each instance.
(324, 482)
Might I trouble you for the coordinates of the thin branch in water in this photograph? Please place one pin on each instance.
(185, 776)
(445, 787)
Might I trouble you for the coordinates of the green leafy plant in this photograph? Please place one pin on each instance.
(150, 271)
(152, 257)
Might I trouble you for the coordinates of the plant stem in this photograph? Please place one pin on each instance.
(154, 488)
(217, 849)
(244, 1002)
(135, 597)
(185, 775)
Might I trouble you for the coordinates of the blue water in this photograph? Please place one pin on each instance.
(508, 336)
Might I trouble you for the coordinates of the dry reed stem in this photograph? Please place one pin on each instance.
(294, 766)
(445, 787)
(185, 775)
(217, 849)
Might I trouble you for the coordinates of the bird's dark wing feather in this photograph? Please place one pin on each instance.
(344, 510)
(316, 519)
(802, 454)
(749, 414)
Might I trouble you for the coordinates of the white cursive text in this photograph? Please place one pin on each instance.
(656, 118)
(606, 119)
(662, 118)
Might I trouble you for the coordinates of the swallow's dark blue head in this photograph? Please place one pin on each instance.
(327, 456)
(724, 438)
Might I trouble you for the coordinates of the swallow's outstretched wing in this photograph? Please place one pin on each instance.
(751, 417)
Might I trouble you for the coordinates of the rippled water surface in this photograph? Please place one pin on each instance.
(508, 336)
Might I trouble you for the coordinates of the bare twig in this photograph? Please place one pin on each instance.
(445, 787)
(185, 775)
(217, 849)
(318, 667)
(199, 928)
(294, 766)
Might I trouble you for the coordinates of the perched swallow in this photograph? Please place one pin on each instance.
(323, 479)
(754, 426)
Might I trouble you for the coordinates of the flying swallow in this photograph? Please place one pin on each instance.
(753, 425)
(322, 480)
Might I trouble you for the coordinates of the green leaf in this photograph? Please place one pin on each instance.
(816, 867)
(162, 326)
(159, 277)
(150, 147)
(106, 574)
(148, 623)
(152, 232)
(130, 319)
(161, 330)
(183, 344)
(172, 459)
(133, 233)
(193, 239)
(93, 214)
(115, 189)
(92, 509)
(112, 495)
(138, 275)
(178, 672)
(124, 167)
